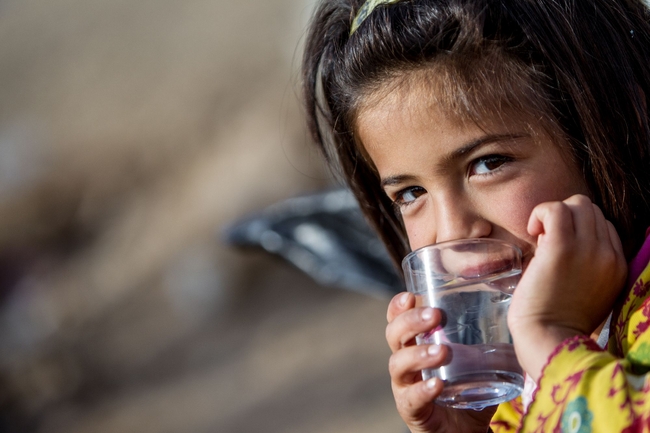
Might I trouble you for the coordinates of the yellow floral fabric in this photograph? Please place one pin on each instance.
(585, 389)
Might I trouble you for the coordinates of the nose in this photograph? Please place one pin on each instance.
(457, 218)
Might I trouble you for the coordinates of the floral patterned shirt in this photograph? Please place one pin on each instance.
(584, 388)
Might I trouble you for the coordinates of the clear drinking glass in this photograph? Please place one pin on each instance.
(471, 281)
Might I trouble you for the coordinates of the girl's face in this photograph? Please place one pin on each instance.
(453, 181)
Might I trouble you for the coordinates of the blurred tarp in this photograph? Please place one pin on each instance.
(324, 235)
(130, 133)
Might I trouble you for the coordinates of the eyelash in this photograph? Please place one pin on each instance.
(400, 204)
(501, 159)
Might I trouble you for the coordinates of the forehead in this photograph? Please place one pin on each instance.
(402, 130)
(403, 116)
(414, 112)
(462, 98)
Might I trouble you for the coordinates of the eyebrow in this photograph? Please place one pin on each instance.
(456, 154)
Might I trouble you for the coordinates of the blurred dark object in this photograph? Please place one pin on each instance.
(326, 236)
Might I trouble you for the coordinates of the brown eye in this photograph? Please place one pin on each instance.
(487, 164)
(408, 195)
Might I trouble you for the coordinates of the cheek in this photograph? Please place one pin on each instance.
(514, 214)
(511, 210)
(416, 233)
(518, 202)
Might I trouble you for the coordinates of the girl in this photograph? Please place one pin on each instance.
(521, 120)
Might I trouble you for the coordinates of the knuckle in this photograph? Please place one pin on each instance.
(555, 209)
(393, 365)
(390, 336)
(392, 306)
(408, 405)
(387, 333)
(578, 199)
(404, 407)
(411, 318)
(559, 207)
(394, 302)
(397, 306)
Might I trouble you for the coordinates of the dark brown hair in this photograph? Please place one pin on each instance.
(582, 67)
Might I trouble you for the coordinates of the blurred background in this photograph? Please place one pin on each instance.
(132, 135)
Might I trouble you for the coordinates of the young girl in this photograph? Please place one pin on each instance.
(520, 120)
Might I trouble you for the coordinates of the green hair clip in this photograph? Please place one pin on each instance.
(366, 10)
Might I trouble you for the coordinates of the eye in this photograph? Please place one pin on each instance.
(408, 195)
(488, 164)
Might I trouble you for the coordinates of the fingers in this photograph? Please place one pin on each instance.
(402, 330)
(607, 232)
(412, 395)
(405, 321)
(615, 241)
(574, 218)
(578, 269)
(553, 220)
(405, 365)
(399, 304)
(414, 402)
(583, 217)
(577, 226)
(601, 226)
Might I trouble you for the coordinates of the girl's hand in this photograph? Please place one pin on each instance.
(414, 397)
(572, 282)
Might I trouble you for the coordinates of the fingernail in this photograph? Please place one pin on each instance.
(433, 350)
(431, 383)
(402, 299)
(427, 314)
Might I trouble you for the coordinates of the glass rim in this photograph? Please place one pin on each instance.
(446, 244)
